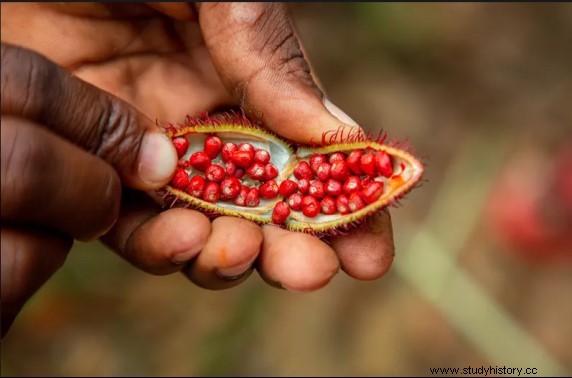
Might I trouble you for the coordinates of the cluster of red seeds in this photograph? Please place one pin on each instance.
(222, 181)
(336, 183)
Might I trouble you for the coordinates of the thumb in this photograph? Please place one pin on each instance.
(259, 59)
(37, 89)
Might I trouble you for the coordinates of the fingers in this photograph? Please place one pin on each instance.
(47, 181)
(259, 59)
(29, 258)
(178, 11)
(37, 89)
(157, 242)
(226, 259)
(367, 253)
(296, 261)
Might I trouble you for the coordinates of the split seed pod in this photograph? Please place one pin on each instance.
(360, 176)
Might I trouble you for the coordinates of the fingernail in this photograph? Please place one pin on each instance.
(338, 113)
(275, 284)
(235, 271)
(104, 232)
(157, 159)
(184, 257)
(242, 275)
(288, 288)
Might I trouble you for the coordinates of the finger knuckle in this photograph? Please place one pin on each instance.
(118, 134)
(277, 40)
(272, 36)
(25, 162)
(26, 77)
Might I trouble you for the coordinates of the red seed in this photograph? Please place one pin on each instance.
(328, 205)
(340, 170)
(211, 192)
(212, 146)
(354, 162)
(280, 213)
(337, 156)
(240, 200)
(316, 160)
(295, 201)
(253, 198)
(366, 181)
(227, 151)
(342, 204)
(303, 171)
(333, 188)
(262, 156)
(355, 202)
(316, 189)
(303, 186)
(196, 186)
(383, 164)
(372, 192)
(256, 171)
(323, 171)
(215, 173)
(287, 187)
(181, 145)
(199, 160)
(270, 172)
(230, 168)
(239, 173)
(310, 206)
(269, 189)
(367, 164)
(352, 184)
(183, 164)
(180, 178)
(242, 158)
(230, 188)
(246, 147)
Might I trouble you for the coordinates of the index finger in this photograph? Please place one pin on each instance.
(37, 89)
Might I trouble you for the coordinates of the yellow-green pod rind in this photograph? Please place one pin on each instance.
(199, 204)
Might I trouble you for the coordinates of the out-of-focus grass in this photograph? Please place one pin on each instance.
(429, 262)
(470, 85)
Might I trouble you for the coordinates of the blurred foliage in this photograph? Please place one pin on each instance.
(481, 90)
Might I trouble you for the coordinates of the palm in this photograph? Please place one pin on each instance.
(155, 63)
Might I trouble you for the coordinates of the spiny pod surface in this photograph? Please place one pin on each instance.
(228, 166)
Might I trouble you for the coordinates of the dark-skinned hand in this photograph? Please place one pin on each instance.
(82, 86)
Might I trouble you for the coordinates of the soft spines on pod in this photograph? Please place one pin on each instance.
(264, 178)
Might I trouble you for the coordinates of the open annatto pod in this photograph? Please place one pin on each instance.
(229, 166)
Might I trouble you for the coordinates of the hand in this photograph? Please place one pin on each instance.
(158, 60)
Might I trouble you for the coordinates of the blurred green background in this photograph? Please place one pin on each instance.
(483, 92)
